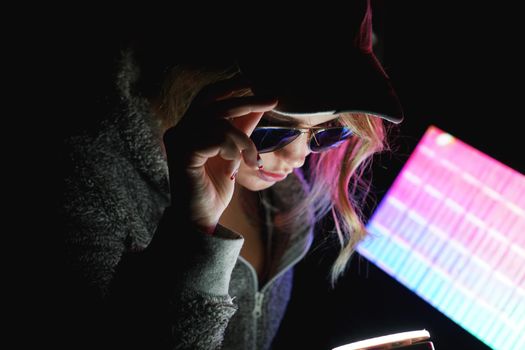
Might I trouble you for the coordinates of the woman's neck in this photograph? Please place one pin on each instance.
(242, 207)
(242, 216)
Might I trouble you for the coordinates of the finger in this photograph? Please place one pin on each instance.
(246, 146)
(229, 149)
(220, 89)
(214, 154)
(228, 168)
(234, 144)
(233, 165)
(247, 123)
(223, 136)
(240, 106)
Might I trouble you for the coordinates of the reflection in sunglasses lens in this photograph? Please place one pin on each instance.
(270, 139)
(329, 138)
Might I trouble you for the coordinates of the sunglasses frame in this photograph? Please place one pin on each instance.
(317, 129)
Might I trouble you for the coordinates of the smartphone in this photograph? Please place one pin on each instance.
(413, 340)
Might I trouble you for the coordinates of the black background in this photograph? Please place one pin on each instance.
(457, 68)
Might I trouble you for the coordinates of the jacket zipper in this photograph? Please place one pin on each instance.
(257, 310)
(259, 295)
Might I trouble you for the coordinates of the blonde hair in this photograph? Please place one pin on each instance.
(347, 194)
(347, 164)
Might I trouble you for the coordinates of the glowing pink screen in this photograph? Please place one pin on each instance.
(452, 229)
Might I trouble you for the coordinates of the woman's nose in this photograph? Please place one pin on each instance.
(295, 152)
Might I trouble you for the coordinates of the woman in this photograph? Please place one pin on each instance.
(187, 210)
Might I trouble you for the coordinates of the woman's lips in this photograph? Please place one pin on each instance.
(270, 177)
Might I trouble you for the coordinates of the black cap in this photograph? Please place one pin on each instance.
(318, 71)
(311, 66)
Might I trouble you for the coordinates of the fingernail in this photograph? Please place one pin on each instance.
(234, 174)
(259, 161)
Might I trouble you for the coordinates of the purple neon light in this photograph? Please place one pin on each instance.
(452, 229)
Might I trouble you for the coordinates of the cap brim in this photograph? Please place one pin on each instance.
(328, 83)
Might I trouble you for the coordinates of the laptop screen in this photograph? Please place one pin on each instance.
(452, 229)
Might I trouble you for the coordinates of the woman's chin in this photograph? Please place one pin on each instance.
(252, 182)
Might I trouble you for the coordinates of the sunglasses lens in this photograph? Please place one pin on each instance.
(271, 139)
(329, 138)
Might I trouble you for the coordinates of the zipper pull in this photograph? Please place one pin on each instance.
(257, 311)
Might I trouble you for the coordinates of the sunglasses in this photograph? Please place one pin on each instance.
(271, 138)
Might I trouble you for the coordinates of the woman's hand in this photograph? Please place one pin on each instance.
(204, 150)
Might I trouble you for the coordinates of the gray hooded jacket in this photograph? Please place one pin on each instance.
(187, 291)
